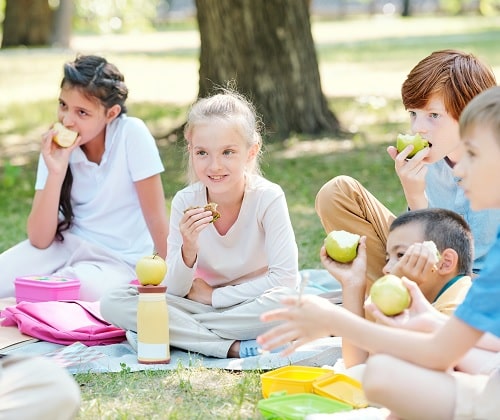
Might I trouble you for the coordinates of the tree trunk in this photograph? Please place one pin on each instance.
(63, 23)
(26, 22)
(267, 48)
(406, 12)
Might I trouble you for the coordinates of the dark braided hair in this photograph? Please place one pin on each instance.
(96, 79)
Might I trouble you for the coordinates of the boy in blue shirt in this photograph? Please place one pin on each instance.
(434, 93)
(410, 372)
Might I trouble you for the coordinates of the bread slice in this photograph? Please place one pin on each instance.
(213, 208)
(209, 207)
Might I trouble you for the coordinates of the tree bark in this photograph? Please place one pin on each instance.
(266, 48)
(26, 22)
(406, 12)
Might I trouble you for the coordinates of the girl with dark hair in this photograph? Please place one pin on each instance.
(99, 204)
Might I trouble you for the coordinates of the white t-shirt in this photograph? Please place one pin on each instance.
(105, 204)
(258, 252)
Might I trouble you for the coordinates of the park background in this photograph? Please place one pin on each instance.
(364, 51)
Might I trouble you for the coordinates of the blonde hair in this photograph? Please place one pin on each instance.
(483, 110)
(233, 108)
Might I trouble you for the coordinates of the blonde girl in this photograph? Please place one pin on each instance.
(222, 274)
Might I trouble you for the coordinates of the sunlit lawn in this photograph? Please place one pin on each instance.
(363, 64)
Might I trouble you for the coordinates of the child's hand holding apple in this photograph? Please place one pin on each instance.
(353, 274)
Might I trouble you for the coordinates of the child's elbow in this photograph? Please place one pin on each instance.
(39, 243)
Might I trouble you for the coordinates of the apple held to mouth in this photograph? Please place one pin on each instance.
(342, 246)
(404, 140)
(151, 269)
(64, 136)
(390, 295)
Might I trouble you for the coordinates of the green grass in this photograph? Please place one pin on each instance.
(300, 165)
(418, 35)
(184, 393)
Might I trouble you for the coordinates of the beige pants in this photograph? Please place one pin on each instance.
(477, 396)
(194, 326)
(36, 388)
(344, 204)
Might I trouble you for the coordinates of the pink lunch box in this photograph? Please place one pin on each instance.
(45, 288)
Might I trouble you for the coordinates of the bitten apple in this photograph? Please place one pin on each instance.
(342, 246)
(416, 140)
(390, 295)
(151, 269)
(64, 136)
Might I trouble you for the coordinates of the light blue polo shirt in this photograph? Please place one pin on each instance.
(481, 307)
(443, 191)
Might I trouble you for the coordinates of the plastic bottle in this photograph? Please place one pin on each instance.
(153, 345)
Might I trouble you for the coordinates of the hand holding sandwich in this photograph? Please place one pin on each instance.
(194, 220)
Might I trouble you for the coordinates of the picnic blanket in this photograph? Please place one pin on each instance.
(80, 358)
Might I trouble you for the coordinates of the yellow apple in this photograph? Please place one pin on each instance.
(390, 295)
(416, 140)
(342, 246)
(64, 136)
(151, 269)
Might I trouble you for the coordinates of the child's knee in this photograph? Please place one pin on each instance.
(116, 303)
(331, 191)
(375, 378)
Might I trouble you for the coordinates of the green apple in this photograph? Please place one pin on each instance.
(416, 140)
(390, 295)
(151, 269)
(342, 246)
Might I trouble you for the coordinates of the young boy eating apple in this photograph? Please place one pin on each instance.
(411, 372)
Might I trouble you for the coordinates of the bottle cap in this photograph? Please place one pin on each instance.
(152, 289)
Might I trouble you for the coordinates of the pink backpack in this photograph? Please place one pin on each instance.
(63, 322)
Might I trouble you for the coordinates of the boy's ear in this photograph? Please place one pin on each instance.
(448, 262)
(113, 112)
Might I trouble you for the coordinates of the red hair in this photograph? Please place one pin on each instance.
(453, 75)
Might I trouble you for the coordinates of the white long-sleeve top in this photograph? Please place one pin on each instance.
(258, 252)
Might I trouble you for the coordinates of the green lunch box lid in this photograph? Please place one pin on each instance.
(297, 406)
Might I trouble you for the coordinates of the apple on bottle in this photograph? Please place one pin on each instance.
(390, 295)
(151, 269)
(342, 246)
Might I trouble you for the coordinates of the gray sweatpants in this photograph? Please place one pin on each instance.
(195, 326)
(96, 268)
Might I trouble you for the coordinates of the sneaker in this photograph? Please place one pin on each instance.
(132, 339)
(250, 348)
